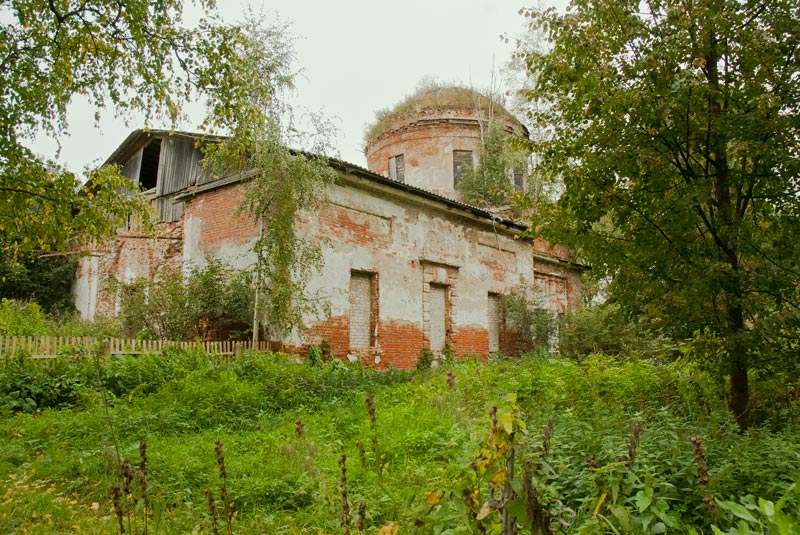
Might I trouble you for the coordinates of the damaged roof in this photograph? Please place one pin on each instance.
(138, 137)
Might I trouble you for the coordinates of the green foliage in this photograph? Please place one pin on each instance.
(286, 183)
(314, 355)
(154, 306)
(28, 386)
(528, 321)
(47, 208)
(604, 446)
(500, 157)
(751, 515)
(44, 279)
(675, 133)
(425, 360)
(485, 498)
(604, 329)
(22, 318)
(220, 299)
(214, 302)
(127, 375)
(132, 55)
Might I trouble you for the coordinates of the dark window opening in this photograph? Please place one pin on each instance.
(148, 176)
(462, 160)
(397, 168)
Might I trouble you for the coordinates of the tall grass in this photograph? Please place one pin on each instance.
(619, 451)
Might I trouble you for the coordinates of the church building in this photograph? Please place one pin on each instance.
(408, 267)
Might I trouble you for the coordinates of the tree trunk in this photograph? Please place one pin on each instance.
(725, 234)
(739, 395)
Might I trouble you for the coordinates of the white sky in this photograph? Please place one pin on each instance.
(357, 56)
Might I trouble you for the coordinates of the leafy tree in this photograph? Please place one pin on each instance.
(214, 301)
(675, 130)
(44, 279)
(135, 55)
(529, 324)
(602, 328)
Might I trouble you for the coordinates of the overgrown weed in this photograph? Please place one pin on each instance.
(428, 430)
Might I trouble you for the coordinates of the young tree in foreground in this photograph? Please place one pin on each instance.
(675, 130)
(132, 55)
(284, 181)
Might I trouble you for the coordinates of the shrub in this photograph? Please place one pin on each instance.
(531, 324)
(27, 385)
(604, 329)
(129, 375)
(22, 318)
(27, 318)
(425, 360)
(214, 301)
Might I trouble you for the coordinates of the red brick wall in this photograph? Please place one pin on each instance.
(471, 341)
(215, 209)
(355, 227)
(134, 255)
(399, 344)
(335, 330)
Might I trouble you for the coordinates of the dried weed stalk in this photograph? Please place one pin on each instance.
(702, 475)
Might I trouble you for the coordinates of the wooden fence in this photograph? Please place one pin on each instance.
(44, 347)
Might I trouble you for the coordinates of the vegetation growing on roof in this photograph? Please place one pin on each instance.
(436, 96)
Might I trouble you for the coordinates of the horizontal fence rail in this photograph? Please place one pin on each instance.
(46, 347)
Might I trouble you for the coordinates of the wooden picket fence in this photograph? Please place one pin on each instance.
(45, 347)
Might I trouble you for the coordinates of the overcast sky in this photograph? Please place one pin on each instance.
(356, 56)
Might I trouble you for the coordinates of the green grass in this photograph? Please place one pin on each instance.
(59, 461)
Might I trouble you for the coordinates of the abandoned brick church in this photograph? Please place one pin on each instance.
(408, 267)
